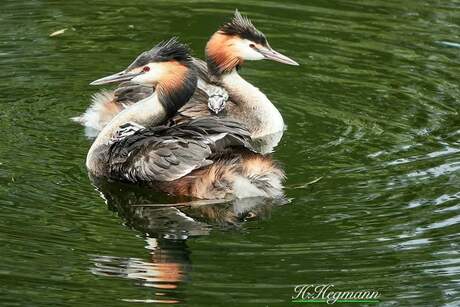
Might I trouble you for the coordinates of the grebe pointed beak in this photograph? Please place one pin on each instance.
(274, 55)
(118, 77)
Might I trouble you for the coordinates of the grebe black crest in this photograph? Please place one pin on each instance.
(164, 51)
(242, 26)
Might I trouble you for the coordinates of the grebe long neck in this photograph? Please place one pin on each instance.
(263, 117)
(257, 111)
(148, 111)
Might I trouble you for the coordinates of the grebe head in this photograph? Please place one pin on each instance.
(239, 40)
(167, 58)
(168, 66)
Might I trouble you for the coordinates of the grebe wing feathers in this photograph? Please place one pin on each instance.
(196, 107)
(166, 153)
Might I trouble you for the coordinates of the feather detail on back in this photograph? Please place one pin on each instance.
(165, 153)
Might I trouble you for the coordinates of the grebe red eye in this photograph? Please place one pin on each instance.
(146, 69)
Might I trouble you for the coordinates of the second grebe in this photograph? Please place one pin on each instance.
(206, 157)
(235, 42)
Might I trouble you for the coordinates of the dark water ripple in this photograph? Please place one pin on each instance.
(372, 112)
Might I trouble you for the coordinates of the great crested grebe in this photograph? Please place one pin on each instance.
(207, 157)
(236, 41)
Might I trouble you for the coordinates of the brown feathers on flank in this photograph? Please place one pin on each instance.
(221, 54)
(219, 179)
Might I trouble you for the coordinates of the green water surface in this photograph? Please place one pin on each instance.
(373, 112)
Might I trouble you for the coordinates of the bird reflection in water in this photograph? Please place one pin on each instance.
(167, 224)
